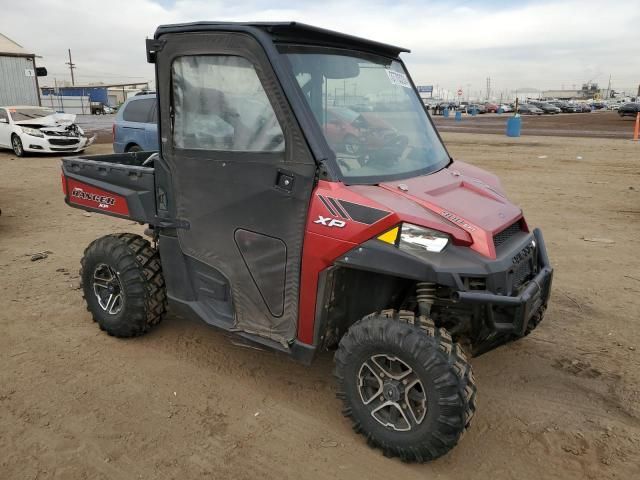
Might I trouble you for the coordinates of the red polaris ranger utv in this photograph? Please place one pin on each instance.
(303, 199)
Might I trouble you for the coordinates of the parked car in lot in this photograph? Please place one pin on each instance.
(99, 108)
(135, 128)
(529, 109)
(491, 107)
(354, 132)
(629, 110)
(38, 129)
(566, 107)
(448, 105)
(475, 106)
(585, 107)
(506, 108)
(546, 107)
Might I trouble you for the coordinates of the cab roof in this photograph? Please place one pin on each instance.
(289, 32)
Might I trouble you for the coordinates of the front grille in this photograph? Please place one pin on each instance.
(501, 237)
(522, 272)
(63, 141)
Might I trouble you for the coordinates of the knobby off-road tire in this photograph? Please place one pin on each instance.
(123, 264)
(399, 344)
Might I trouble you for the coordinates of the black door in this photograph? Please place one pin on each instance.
(241, 175)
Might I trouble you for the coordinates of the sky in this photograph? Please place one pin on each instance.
(455, 44)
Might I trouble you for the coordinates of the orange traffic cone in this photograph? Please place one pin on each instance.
(637, 129)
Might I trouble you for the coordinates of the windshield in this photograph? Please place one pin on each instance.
(20, 114)
(370, 115)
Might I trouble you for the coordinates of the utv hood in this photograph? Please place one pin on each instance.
(462, 200)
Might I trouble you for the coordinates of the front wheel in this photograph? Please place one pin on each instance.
(405, 385)
(16, 144)
(123, 284)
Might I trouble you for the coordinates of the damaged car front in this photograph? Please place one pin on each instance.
(40, 129)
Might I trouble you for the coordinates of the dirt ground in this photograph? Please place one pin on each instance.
(184, 402)
(602, 124)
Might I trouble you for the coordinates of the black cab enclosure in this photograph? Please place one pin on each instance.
(303, 200)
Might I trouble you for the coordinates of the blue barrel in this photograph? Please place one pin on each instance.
(500, 110)
(458, 116)
(514, 124)
(445, 112)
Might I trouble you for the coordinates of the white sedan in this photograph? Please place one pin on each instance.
(40, 129)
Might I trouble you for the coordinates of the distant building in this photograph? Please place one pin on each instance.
(18, 80)
(587, 91)
(111, 94)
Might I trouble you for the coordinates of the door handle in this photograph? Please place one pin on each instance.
(285, 181)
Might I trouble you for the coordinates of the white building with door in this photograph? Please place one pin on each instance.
(18, 80)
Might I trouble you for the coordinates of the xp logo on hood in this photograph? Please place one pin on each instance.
(330, 222)
(103, 201)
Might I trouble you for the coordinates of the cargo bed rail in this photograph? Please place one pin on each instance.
(121, 185)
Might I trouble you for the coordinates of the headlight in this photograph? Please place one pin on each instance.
(34, 132)
(80, 131)
(412, 237)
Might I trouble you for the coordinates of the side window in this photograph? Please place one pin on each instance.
(154, 114)
(3, 115)
(139, 110)
(219, 104)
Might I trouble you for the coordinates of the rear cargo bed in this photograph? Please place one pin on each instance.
(116, 184)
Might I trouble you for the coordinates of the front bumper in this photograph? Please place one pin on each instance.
(501, 297)
(56, 144)
(531, 300)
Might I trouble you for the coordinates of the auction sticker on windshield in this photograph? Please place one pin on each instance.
(398, 78)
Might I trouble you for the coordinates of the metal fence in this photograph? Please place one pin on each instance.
(80, 105)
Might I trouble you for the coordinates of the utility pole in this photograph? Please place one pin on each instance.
(71, 67)
(488, 88)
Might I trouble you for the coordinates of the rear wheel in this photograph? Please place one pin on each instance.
(123, 285)
(405, 385)
(16, 144)
(133, 148)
